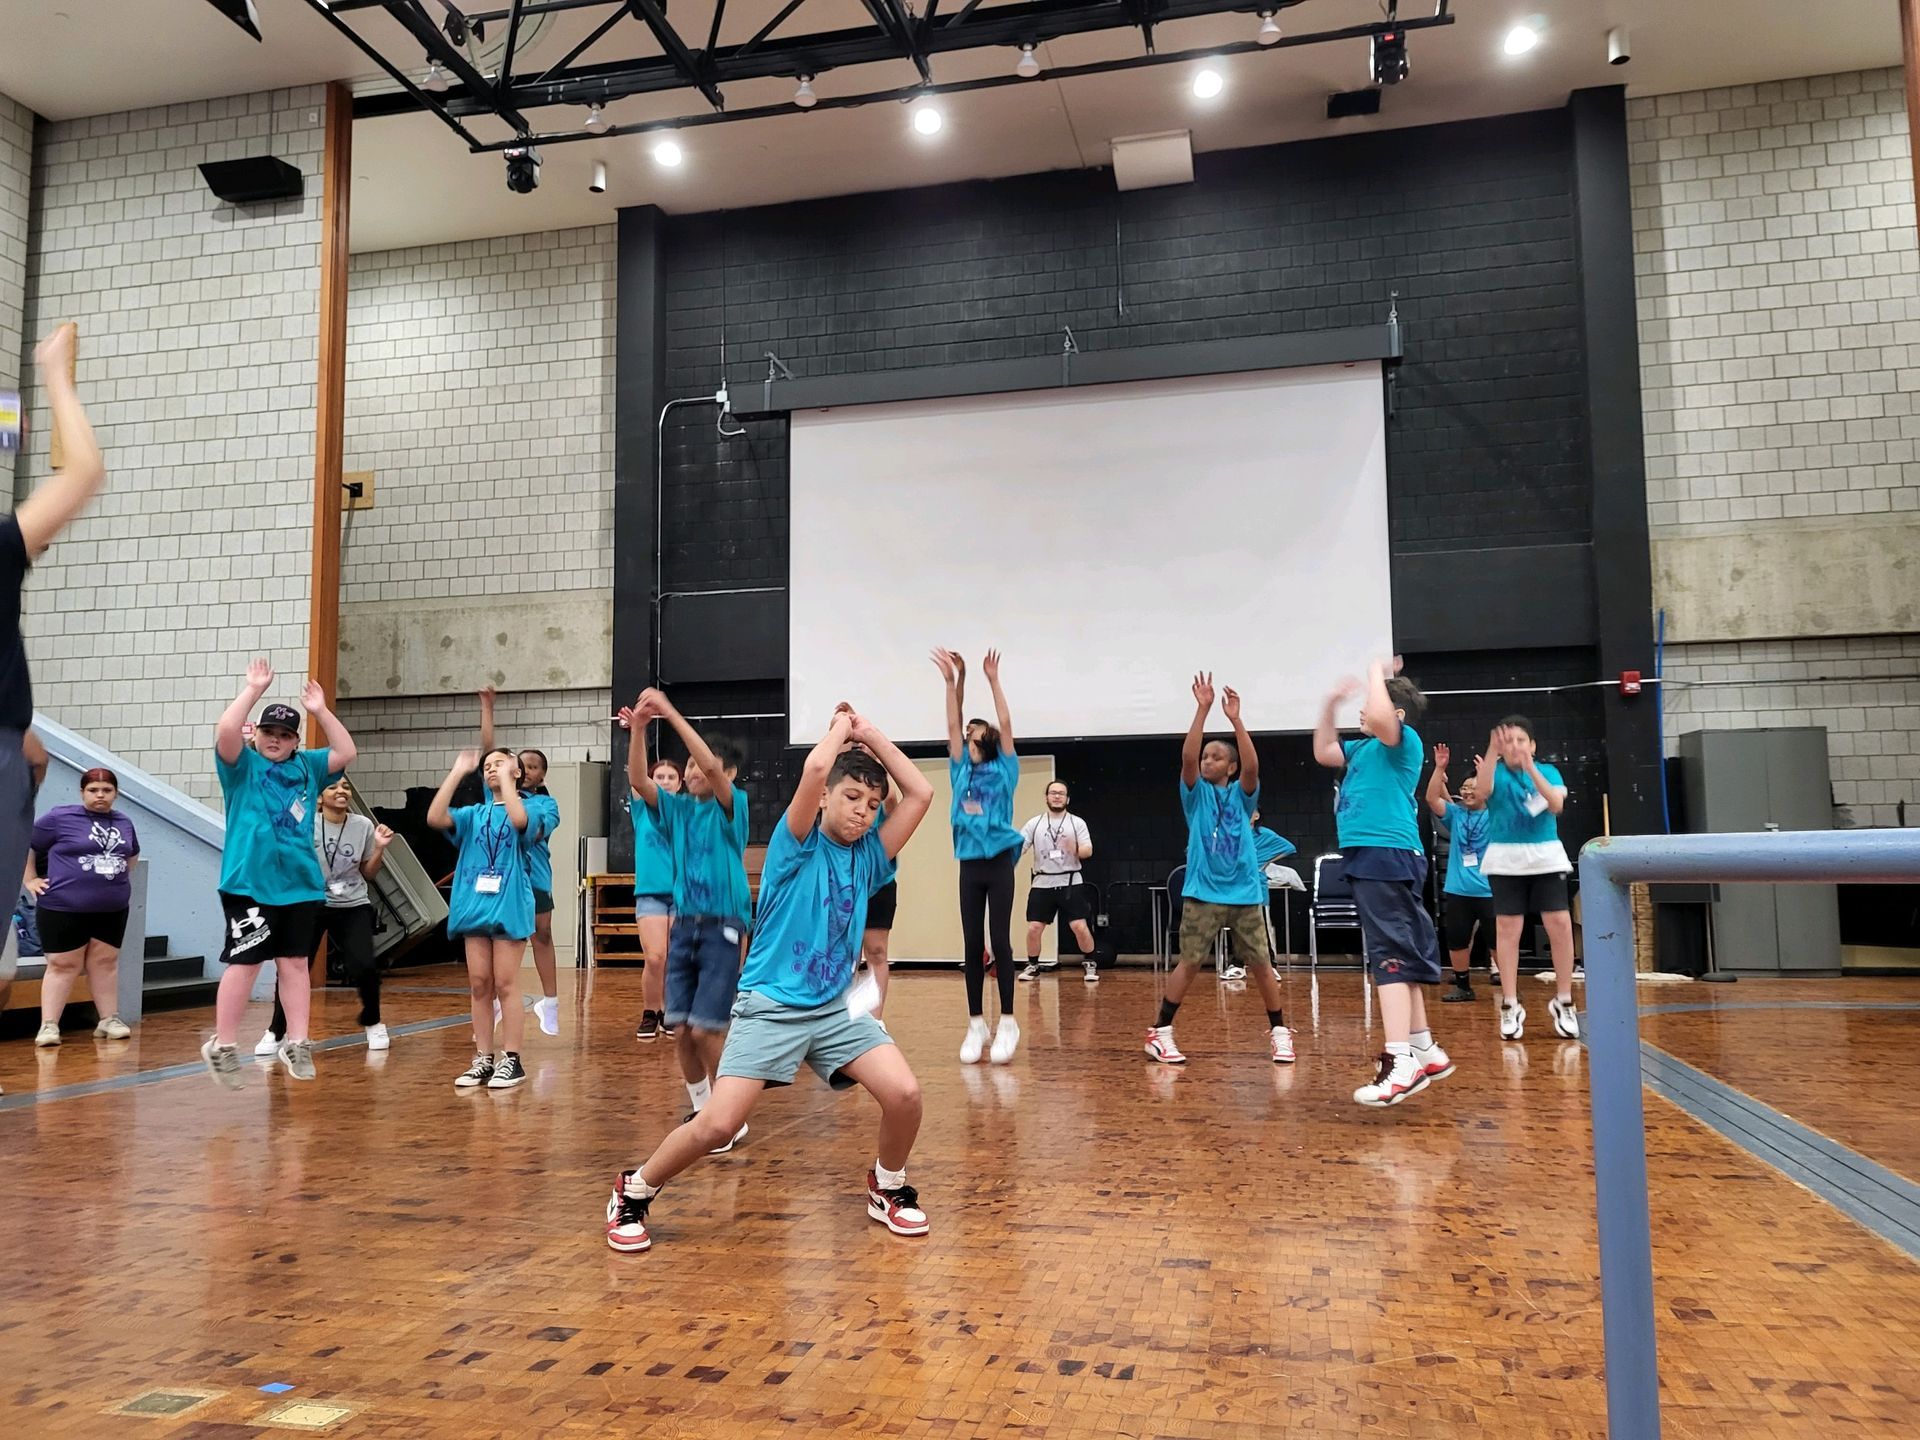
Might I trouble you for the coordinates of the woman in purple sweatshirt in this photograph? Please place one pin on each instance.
(80, 869)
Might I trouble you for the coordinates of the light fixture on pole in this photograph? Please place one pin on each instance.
(804, 96)
(1207, 84)
(927, 118)
(1028, 66)
(1269, 33)
(596, 120)
(1520, 39)
(435, 82)
(667, 152)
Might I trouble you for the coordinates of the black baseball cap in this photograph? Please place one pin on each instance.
(279, 717)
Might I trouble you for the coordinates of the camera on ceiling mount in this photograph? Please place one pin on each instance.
(523, 169)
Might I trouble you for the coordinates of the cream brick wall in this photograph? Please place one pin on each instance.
(198, 359)
(16, 178)
(412, 741)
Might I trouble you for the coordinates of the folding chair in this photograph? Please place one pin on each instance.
(1333, 907)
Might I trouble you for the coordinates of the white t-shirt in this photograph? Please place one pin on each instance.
(1055, 841)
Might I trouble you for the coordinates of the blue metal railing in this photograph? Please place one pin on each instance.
(1607, 867)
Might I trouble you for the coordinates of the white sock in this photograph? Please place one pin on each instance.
(638, 1188)
(1400, 1049)
(1421, 1039)
(699, 1093)
(888, 1179)
(1007, 1022)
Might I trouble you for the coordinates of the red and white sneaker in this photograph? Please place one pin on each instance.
(1398, 1077)
(1282, 1045)
(627, 1218)
(1434, 1062)
(1160, 1046)
(899, 1210)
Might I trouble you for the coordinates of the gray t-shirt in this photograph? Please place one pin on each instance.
(1055, 841)
(342, 847)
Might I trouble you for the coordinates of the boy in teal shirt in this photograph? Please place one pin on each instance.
(1466, 919)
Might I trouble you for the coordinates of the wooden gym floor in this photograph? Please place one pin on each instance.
(1229, 1250)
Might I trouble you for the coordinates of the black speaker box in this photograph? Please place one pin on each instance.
(253, 180)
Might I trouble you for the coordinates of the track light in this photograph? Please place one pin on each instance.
(667, 152)
(1207, 84)
(598, 184)
(804, 96)
(596, 120)
(1028, 66)
(927, 118)
(435, 82)
(1269, 29)
(1520, 39)
(1619, 48)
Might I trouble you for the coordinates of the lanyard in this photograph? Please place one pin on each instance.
(1053, 830)
(331, 844)
(494, 843)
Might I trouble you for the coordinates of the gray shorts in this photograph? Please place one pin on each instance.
(769, 1041)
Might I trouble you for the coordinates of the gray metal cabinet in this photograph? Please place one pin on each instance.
(1765, 780)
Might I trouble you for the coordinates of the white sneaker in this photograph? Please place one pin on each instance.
(1234, 972)
(548, 1013)
(1513, 1021)
(1030, 972)
(1566, 1018)
(1282, 1045)
(1434, 1062)
(377, 1037)
(49, 1035)
(268, 1047)
(112, 1028)
(1398, 1077)
(1161, 1047)
(1092, 975)
(975, 1045)
(1006, 1040)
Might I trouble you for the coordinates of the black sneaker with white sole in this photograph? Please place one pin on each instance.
(508, 1073)
(475, 1074)
(1031, 972)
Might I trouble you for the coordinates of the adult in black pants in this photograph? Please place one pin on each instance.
(352, 849)
(983, 769)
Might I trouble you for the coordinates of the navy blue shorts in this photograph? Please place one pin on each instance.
(703, 971)
(1402, 945)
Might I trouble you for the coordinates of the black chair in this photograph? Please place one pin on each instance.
(1333, 907)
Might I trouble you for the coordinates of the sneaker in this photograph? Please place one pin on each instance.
(627, 1218)
(377, 1038)
(478, 1073)
(1458, 990)
(267, 1046)
(1092, 972)
(1282, 1045)
(112, 1028)
(1006, 1039)
(1398, 1077)
(297, 1056)
(1566, 1018)
(223, 1063)
(649, 1026)
(667, 1030)
(1234, 972)
(49, 1035)
(738, 1136)
(1513, 1021)
(1030, 972)
(1160, 1046)
(899, 1209)
(508, 1073)
(975, 1045)
(547, 1011)
(1434, 1062)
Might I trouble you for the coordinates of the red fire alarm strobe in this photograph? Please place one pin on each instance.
(1629, 682)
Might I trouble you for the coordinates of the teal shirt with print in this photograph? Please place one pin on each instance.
(982, 810)
(493, 849)
(1376, 797)
(709, 855)
(268, 856)
(1466, 845)
(652, 850)
(813, 911)
(1221, 869)
(540, 854)
(1510, 822)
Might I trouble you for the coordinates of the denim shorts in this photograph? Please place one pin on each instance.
(770, 1041)
(646, 907)
(703, 970)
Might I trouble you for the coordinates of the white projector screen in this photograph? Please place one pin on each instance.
(1109, 540)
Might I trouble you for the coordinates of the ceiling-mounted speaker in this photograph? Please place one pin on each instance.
(1344, 104)
(1141, 162)
(241, 12)
(253, 181)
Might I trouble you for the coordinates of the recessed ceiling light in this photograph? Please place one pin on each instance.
(1520, 39)
(668, 153)
(1207, 84)
(927, 118)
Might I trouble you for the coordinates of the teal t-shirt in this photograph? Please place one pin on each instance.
(709, 855)
(269, 856)
(1376, 797)
(1221, 869)
(1509, 822)
(1269, 847)
(982, 811)
(652, 851)
(1466, 844)
(543, 809)
(813, 911)
(492, 890)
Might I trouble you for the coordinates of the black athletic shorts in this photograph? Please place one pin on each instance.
(65, 930)
(1067, 903)
(543, 902)
(1528, 894)
(1460, 913)
(883, 905)
(257, 933)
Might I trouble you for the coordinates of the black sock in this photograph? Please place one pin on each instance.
(1167, 1008)
(1276, 1018)
(1033, 959)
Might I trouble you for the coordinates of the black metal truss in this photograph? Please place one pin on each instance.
(895, 34)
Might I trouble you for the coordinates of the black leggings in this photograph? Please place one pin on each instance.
(986, 894)
(350, 930)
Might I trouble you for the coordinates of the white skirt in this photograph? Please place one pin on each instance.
(1545, 857)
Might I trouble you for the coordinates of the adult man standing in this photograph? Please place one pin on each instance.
(1058, 842)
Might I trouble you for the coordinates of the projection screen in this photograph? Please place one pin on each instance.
(1110, 540)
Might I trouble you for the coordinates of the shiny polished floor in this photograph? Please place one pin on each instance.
(1229, 1250)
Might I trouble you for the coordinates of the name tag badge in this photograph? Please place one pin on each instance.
(863, 998)
(298, 810)
(1470, 862)
(486, 884)
(1536, 803)
(731, 935)
(1055, 855)
(336, 887)
(972, 807)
